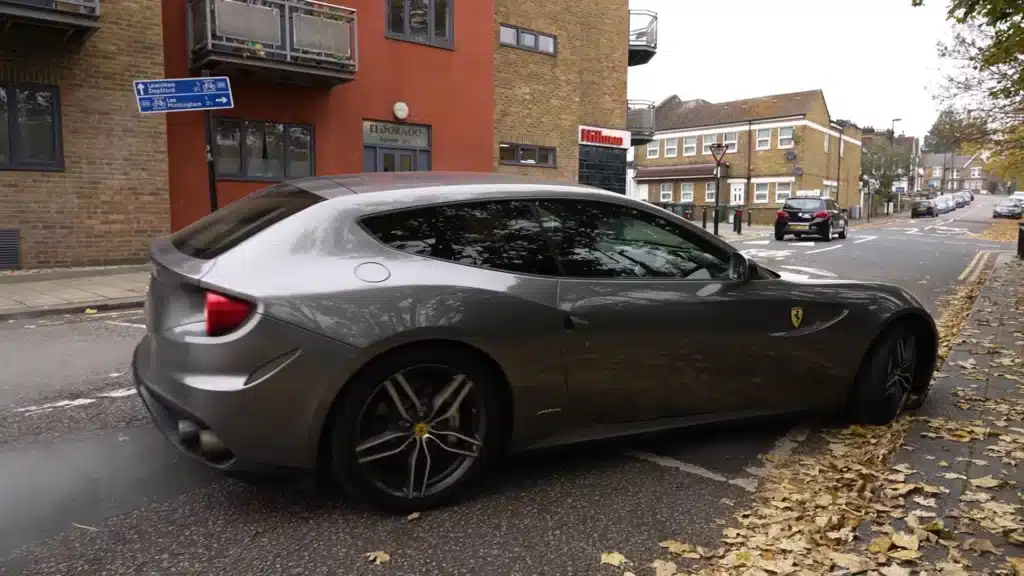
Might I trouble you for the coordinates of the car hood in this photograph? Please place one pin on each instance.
(897, 294)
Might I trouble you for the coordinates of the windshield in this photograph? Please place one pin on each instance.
(805, 204)
(922, 204)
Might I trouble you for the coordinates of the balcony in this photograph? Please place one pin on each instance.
(74, 19)
(643, 36)
(290, 41)
(640, 121)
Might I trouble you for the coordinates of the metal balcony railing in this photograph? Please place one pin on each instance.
(66, 14)
(640, 120)
(643, 36)
(292, 36)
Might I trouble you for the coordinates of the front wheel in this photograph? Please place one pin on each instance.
(885, 382)
(416, 428)
(780, 236)
(826, 232)
(842, 233)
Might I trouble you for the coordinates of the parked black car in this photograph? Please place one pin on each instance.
(924, 208)
(813, 216)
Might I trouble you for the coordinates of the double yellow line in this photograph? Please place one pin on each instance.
(977, 265)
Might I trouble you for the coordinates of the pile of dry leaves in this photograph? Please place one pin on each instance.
(1003, 230)
(833, 511)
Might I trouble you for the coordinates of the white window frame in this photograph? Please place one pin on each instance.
(743, 190)
(791, 138)
(758, 191)
(710, 190)
(671, 147)
(670, 191)
(766, 140)
(956, 174)
(732, 141)
(689, 145)
(657, 149)
(779, 198)
(936, 172)
(686, 191)
(976, 172)
(842, 148)
(827, 138)
(706, 141)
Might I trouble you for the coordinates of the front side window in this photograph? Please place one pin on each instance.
(257, 150)
(732, 141)
(30, 127)
(671, 147)
(783, 190)
(761, 192)
(526, 155)
(423, 21)
(708, 141)
(764, 139)
(666, 191)
(786, 137)
(602, 240)
(653, 147)
(502, 235)
(690, 146)
(686, 192)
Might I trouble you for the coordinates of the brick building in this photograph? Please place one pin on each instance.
(778, 146)
(318, 89)
(941, 172)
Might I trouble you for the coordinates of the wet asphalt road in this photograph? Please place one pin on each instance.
(87, 486)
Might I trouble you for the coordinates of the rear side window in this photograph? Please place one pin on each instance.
(228, 227)
(804, 204)
(502, 235)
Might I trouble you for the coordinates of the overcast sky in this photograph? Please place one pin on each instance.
(874, 59)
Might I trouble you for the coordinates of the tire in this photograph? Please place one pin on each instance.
(842, 235)
(367, 482)
(826, 232)
(780, 237)
(878, 397)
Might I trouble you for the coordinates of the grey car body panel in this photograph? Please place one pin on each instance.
(577, 354)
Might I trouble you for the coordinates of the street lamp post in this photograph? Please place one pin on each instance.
(718, 151)
(892, 149)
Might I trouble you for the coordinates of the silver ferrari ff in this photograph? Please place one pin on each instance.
(401, 331)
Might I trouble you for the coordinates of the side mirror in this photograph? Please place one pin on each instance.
(741, 268)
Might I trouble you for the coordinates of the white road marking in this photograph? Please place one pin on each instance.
(864, 239)
(970, 266)
(30, 410)
(748, 484)
(824, 249)
(784, 448)
(762, 253)
(817, 271)
(758, 242)
(129, 324)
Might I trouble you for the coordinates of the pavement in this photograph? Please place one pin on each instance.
(33, 293)
(87, 486)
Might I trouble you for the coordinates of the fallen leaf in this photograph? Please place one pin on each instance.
(413, 516)
(851, 562)
(880, 545)
(986, 482)
(1018, 565)
(378, 557)
(613, 558)
(663, 568)
(894, 569)
(677, 547)
(904, 468)
(925, 501)
(904, 540)
(905, 554)
(90, 310)
(980, 545)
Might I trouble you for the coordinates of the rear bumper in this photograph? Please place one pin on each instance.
(815, 227)
(266, 417)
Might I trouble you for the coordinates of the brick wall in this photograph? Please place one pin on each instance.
(542, 99)
(112, 196)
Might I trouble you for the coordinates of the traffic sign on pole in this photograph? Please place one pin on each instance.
(183, 94)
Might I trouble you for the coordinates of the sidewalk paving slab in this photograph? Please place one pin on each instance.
(29, 295)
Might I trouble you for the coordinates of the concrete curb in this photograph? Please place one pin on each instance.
(73, 308)
(72, 273)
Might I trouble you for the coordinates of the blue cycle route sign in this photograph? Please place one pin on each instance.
(183, 94)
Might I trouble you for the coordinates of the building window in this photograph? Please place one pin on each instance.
(842, 148)
(708, 141)
(686, 192)
(526, 155)
(30, 137)
(936, 172)
(666, 191)
(764, 139)
(653, 147)
(423, 21)
(690, 146)
(827, 138)
(826, 190)
(256, 150)
(732, 141)
(786, 137)
(760, 192)
(509, 35)
(709, 191)
(671, 147)
(975, 173)
(956, 174)
(783, 190)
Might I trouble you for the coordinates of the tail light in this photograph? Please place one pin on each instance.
(821, 214)
(782, 214)
(224, 314)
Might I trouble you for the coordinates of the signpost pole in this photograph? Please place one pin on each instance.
(211, 165)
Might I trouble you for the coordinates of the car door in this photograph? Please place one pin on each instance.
(655, 327)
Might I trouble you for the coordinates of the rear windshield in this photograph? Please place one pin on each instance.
(228, 227)
(804, 203)
(923, 203)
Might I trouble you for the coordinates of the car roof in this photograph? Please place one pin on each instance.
(428, 183)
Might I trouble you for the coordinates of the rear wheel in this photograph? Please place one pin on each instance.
(826, 231)
(780, 236)
(842, 233)
(885, 381)
(416, 428)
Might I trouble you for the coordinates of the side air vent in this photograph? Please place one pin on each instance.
(10, 248)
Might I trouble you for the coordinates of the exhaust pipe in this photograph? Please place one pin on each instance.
(210, 444)
(188, 432)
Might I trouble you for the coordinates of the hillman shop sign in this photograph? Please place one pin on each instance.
(392, 135)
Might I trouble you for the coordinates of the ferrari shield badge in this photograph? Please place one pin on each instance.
(796, 316)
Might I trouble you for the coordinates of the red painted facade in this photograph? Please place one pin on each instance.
(452, 91)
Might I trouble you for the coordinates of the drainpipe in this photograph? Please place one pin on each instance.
(748, 193)
(839, 163)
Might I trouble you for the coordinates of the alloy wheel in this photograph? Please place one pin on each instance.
(420, 431)
(900, 367)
